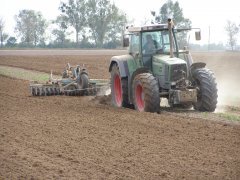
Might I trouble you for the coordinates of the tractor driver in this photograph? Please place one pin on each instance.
(150, 46)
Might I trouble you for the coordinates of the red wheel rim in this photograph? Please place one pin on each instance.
(139, 96)
(118, 90)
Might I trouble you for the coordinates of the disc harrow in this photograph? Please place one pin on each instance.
(74, 82)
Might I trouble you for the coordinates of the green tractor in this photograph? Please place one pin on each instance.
(155, 68)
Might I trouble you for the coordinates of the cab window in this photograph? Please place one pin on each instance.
(134, 44)
(156, 42)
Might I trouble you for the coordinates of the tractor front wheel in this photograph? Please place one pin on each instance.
(206, 85)
(146, 93)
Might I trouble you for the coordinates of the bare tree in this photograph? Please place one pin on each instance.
(2, 25)
(232, 31)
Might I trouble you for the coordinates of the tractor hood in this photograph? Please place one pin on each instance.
(168, 69)
(165, 59)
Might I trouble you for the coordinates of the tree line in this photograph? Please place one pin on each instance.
(95, 24)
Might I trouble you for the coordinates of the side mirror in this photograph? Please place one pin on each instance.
(198, 35)
(125, 41)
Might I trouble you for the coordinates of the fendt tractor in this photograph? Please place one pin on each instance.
(155, 68)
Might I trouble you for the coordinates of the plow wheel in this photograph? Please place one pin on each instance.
(119, 89)
(51, 91)
(71, 90)
(36, 91)
(33, 91)
(82, 84)
(48, 92)
(57, 91)
(146, 93)
(43, 92)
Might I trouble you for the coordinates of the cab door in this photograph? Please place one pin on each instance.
(134, 51)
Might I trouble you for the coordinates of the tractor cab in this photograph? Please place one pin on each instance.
(149, 42)
(145, 44)
(158, 39)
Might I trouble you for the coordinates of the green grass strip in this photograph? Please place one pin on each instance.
(229, 116)
(23, 74)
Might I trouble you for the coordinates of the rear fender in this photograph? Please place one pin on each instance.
(121, 61)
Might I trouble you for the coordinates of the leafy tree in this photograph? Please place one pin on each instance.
(232, 30)
(60, 32)
(174, 11)
(117, 29)
(30, 27)
(85, 42)
(104, 20)
(74, 12)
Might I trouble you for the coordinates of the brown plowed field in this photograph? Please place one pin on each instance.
(79, 138)
(96, 65)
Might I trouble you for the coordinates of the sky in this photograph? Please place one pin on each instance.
(204, 14)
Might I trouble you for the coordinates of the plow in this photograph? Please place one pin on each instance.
(74, 82)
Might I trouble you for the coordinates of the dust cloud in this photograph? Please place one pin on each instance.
(226, 67)
(228, 92)
(104, 91)
(228, 83)
(103, 96)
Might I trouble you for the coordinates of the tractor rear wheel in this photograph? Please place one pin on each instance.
(119, 88)
(146, 93)
(206, 85)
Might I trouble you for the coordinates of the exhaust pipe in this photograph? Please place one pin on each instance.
(170, 27)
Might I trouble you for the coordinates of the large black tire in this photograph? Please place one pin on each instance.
(146, 93)
(119, 88)
(206, 85)
(83, 84)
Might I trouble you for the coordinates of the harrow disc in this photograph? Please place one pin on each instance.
(41, 90)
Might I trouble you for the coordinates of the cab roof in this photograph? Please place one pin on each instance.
(152, 27)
